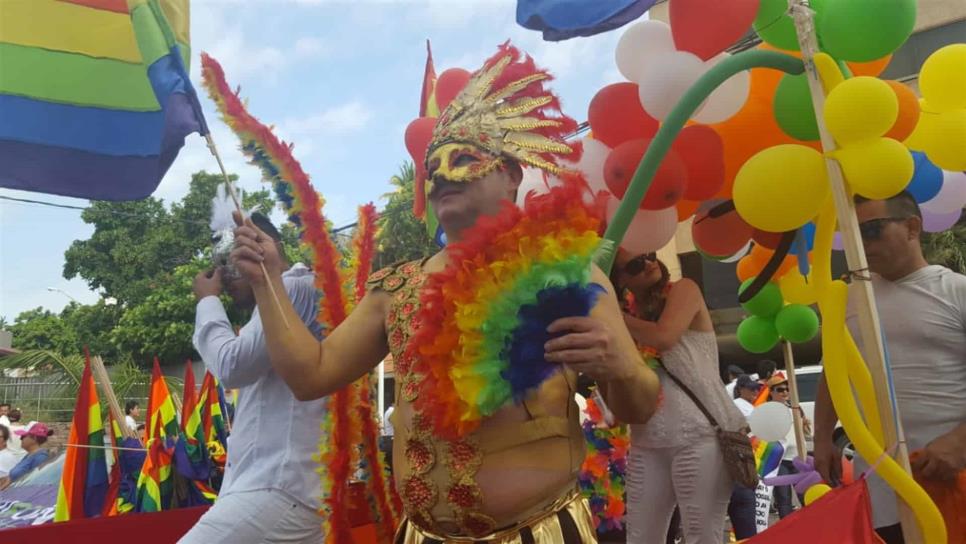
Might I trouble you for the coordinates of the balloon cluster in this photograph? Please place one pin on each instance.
(771, 318)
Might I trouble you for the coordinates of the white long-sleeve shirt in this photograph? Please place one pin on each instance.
(273, 435)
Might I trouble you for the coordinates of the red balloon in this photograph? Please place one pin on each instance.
(616, 116)
(449, 84)
(700, 147)
(418, 134)
(767, 239)
(719, 236)
(708, 27)
(668, 185)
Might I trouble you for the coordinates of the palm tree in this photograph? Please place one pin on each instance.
(947, 248)
(64, 375)
(401, 235)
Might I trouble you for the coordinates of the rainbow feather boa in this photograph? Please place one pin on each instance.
(483, 319)
(602, 475)
(348, 421)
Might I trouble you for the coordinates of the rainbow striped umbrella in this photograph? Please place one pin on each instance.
(95, 100)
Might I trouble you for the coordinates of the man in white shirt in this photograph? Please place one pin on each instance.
(745, 392)
(131, 411)
(922, 309)
(271, 492)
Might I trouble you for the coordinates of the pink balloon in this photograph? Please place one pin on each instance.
(938, 222)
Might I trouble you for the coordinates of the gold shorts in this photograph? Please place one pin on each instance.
(567, 521)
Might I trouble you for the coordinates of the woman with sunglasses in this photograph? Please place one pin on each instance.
(779, 392)
(675, 458)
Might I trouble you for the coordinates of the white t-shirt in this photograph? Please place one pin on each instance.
(923, 319)
(9, 459)
(744, 406)
(387, 428)
(131, 424)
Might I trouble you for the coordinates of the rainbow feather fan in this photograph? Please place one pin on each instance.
(483, 319)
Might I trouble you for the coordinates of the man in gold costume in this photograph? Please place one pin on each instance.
(513, 479)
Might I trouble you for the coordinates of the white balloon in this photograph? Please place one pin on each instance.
(650, 230)
(770, 421)
(665, 79)
(728, 98)
(639, 44)
(591, 164)
(532, 182)
(952, 195)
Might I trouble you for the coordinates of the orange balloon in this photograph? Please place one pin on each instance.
(686, 209)
(871, 68)
(758, 259)
(908, 112)
(746, 269)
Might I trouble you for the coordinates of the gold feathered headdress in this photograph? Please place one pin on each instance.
(504, 112)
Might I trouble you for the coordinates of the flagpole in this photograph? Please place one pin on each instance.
(238, 206)
(100, 374)
(381, 389)
(870, 328)
(793, 391)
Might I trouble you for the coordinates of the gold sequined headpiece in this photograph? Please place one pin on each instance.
(504, 112)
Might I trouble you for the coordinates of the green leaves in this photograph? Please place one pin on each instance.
(402, 237)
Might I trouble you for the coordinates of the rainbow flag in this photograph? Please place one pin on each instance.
(161, 420)
(114, 480)
(191, 451)
(94, 95)
(155, 487)
(768, 455)
(427, 108)
(83, 482)
(212, 415)
(190, 396)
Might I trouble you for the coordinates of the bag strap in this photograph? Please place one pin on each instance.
(694, 399)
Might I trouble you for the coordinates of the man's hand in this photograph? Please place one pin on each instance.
(254, 248)
(828, 461)
(208, 283)
(588, 347)
(944, 457)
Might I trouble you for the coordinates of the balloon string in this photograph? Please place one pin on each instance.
(770, 269)
(718, 211)
(673, 124)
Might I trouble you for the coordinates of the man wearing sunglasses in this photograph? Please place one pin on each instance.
(922, 309)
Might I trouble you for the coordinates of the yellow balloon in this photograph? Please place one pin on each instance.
(798, 289)
(815, 493)
(945, 143)
(879, 168)
(781, 188)
(926, 125)
(860, 108)
(942, 78)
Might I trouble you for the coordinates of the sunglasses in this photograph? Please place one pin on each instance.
(872, 229)
(780, 390)
(637, 265)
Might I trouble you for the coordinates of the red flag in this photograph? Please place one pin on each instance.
(843, 515)
(190, 397)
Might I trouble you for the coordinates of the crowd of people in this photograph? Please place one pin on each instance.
(21, 446)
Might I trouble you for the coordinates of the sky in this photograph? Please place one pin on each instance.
(339, 79)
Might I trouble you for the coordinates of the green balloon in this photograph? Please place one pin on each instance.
(757, 334)
(865, 30)
(766, 303)
(797, 323)
(793, 108)
(776, 27)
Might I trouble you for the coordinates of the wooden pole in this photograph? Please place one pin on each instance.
(101, 376)
(234, 197)
(793, 392)
(869, 326)
(176, 400)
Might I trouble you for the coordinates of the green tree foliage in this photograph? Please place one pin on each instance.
(43, 329)
(402, 237)
(947, 248)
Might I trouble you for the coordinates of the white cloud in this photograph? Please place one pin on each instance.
(349, 117)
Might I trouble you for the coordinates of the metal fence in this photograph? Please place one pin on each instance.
(44, 400)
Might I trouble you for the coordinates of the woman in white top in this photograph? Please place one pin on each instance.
(779, 392)
(675, 458)
(8, 459)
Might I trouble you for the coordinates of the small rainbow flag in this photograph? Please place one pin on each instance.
(768, 455)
